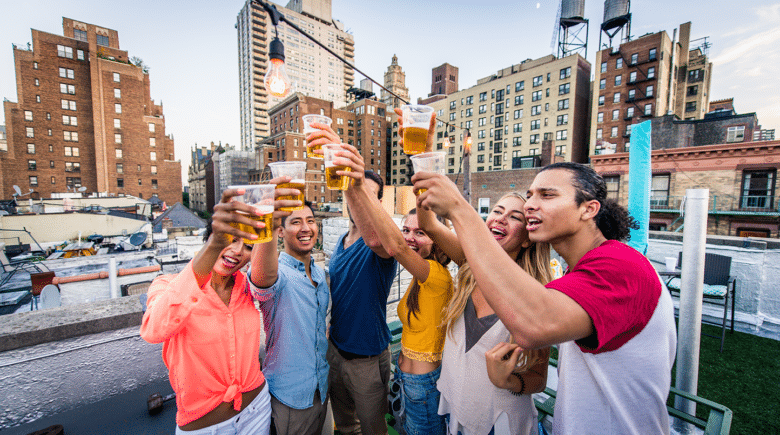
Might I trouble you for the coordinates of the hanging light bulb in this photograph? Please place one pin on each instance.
(277, 83)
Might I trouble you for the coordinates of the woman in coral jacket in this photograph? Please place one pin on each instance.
(206, 318)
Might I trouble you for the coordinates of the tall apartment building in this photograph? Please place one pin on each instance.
(312, 70)
(647, 77)
(84, 117)
(231, 168)
(510, 114)
(200, 179)
(395, 81)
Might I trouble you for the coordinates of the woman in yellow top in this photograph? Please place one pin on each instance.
(420, 310)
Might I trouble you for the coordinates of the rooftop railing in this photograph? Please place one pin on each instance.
(721, 204)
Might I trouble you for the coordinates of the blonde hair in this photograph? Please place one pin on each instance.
(535, 260)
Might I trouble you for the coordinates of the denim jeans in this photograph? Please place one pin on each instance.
(420, 401)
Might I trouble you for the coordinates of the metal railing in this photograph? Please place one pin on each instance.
(747, 204)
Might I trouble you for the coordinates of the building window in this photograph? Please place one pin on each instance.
(72, 167)
(80, 54)
(562, 119)
(70, 136)
(615, 114)
(73, 182)
(758, 189)
(599, 133)
(519, 99)
(649, 91)
(117, 123)
(28, 115)
(534, 138)
(563, 104)
(67, 89)
(619, 63)
(140, 183)
(120, 183)
(648, 109)
(152, 156)
(616, 97)
(618, 80)
(51, 163)
(632, 77)
(600, 117)
(659, 191)
(695, 75)
(651, 72)
(102, 40)
(33, 181)
(519, 86)
(603, 67)
(154, 169)
(116, 77)
(68, 105)
(153, 142)
(690, 106)
(119, 153)
(613, 186)
(538, 81)
(117, 93)
(35, 65)
(535, 124)
(561, 135)
(154, 183)
(652, 54)
(634, 58)
(63, 51)
(53, 180)
(630, 112)
(536, 96)
(601, 100)
(536, 110)
(733, 134)
(565, 73)
(117, 108)
(693, 90)
(603, 84)
(614, 132)
(29, 132)
(31, 165)
(66, 73)
(631, 95)
(71, 151)
(628, 130)
(120, 168)
(80, 35)
(118, 138)
(564, 89)
(37, 98)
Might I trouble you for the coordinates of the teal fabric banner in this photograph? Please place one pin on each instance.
(639, 181)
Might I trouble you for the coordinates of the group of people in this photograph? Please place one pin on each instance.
(473, 348)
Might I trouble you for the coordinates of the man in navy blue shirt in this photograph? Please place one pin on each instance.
(293, 295)
(361, 273)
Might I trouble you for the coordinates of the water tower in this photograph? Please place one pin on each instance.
(617, 19)
(572, 29)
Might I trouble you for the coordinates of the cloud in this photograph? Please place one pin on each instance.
(748, 45)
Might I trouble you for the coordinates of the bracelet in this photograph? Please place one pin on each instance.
(522, 384)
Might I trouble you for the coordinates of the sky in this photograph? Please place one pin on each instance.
(192, 50)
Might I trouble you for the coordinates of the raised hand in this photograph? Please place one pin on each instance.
(229, 212)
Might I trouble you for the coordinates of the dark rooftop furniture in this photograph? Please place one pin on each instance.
(719, 286)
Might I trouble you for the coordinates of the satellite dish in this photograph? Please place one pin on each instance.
(17, 190)
(137, 239)
(50, 297)
(82, 188)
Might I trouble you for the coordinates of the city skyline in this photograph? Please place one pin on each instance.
(192, 52)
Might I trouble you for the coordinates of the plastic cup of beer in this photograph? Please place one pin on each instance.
(332, 179)
(417, 121)
(308, 129)
(428, 162)
(260, 196)
(297, 172)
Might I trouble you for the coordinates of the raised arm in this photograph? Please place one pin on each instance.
(440, 234)
(265, 256)
(536, 316)
(367, 206)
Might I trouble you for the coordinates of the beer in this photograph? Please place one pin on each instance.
(311, 154)
(263, 234)
(415, 140)
(294, 184)
(335, 181)
(420, 192)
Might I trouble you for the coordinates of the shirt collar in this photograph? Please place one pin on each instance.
(291, 261)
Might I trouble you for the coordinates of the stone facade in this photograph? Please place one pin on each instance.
(395, 81)
(85, 118)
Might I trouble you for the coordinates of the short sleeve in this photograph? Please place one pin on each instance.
(439, 279)
(618, 289)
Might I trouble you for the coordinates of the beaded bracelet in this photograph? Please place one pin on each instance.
(522, 384)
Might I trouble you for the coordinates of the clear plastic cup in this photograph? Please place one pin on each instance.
(297, 172)
(429, 162)
(332, 179)
(260, 196)
(308, 129)
(417, 121)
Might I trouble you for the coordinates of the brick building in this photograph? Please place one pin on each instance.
(714, 153)
(200, 178)
(84, 117)
(362, 124)
(643, 78)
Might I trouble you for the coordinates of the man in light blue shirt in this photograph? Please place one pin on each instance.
(294, 296)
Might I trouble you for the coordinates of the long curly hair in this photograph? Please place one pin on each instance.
(535, 260)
